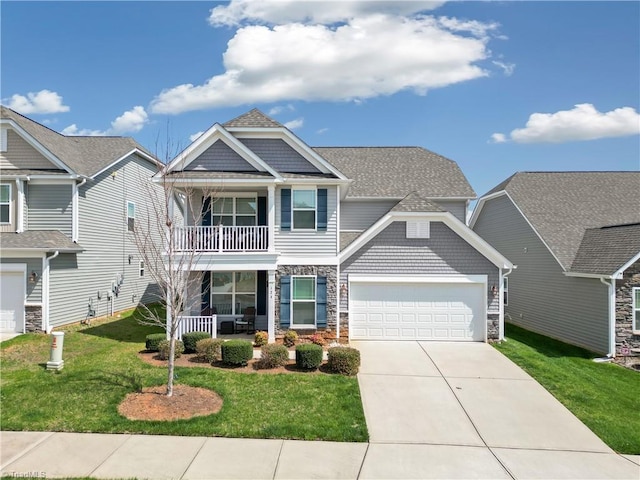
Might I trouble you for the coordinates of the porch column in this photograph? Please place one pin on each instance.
(271, 307)
(271, 217)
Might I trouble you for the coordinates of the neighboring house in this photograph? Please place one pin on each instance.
(67, 205)
(575, 238)
(366, 242)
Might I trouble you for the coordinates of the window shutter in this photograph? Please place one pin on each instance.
(262, 210)
(322, 209)
(321, 302)
(285, 301)
(261, 300)
(285, 209)
(206, 290)
(206, 211)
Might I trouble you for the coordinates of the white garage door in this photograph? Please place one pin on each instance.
(417, 311)
(12, 302)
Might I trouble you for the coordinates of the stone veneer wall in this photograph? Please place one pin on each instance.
(33, 318)
(625, 338)
(493, 326)
(329, 271)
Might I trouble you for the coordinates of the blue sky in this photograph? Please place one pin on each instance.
(498, 87)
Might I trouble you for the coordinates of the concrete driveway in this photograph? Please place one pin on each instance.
(460, 410)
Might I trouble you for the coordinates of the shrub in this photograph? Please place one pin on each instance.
(290, 338)
(274, 355)
(163, 349)
(318, 339)
(237, 352)
(308, 356)
(191, 338)
(344, 360)
(209, 349)
(153, 340)
(261, 338)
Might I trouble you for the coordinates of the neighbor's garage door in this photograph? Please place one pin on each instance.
(12, 302)
(417, 311)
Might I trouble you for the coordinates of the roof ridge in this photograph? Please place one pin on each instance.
(33, 121)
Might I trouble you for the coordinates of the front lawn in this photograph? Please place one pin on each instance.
(605, 397)
(101, 367)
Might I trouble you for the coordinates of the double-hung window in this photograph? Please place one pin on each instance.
(5, 203)
(234, 211)
(233, 292)
(636, 309)
(303, 301)
(304, 209)
(131, 216)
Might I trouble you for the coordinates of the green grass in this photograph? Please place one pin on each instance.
(606, 397)
(101, 367)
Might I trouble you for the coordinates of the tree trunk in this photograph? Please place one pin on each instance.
(172, 350)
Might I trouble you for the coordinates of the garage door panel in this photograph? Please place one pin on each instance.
(12, 302)
(417, 311)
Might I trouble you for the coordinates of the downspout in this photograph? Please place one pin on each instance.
(501, 293)
(45, 290)
(75, 226)
(612, 316)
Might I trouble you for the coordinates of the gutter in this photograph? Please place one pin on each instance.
(612, 315)
(45, 289)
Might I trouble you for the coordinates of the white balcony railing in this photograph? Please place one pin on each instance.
(221, 239)
(197, 324)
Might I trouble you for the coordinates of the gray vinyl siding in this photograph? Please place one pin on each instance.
(279, 155)
(444, 253)
(309, 243)
(13, 210)
(76, 279)
(21, 155)
(50, 207)
(360, 215)
(34, 290)
(457, 207)
(541, 297)
(220, 157)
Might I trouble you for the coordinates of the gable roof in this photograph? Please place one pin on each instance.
(396, 171)
(252, 119)
(415, 203)
(560, 206)
(85, 156)
(45, 240)
(606, 250)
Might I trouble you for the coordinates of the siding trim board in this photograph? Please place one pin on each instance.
(35, 144)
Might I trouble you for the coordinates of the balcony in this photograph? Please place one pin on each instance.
(221, 239)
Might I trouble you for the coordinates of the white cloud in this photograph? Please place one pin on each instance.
(281, 108)
(44, 101)
(498, 138)
(293, 124)
(322, 130)
(508, 68)
(583, 122)
(367, 57)
(195, 135)
(130, 121)
(310, 11)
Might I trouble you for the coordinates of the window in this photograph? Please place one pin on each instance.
(234, 211)
(636, 309)
(303, 301)
(232, 292)
(417, 229)
(141, 269)
(5, 203)
(304, 209)
(505, 289)
(131, 216)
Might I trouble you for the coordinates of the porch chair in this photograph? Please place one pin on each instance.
(248, 320)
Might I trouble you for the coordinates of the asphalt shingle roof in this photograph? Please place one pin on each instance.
(397, 171)
(415, 203)
(562, 205)
(83, 155)
(252, 119)
(604, 250)
(49, 240)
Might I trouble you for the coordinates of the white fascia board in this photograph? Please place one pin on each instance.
(35, 144)
(284, 260)
(372, 199)
(480, 205)
(51, 180)
(144, 155)
(618, 273)
(447, 218)
(316, 181)
(23, 252)
(218, 182)
(13, 267)
(444, 278)
(587, 275)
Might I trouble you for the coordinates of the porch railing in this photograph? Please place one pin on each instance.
(221, 239)
(189, 323)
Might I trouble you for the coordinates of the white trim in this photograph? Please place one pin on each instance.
(129, 202)
(144, 155)
(447, 218)
(23, 253)
(9, 203)
(46, 264)
(52, 180)
(3, 139)
(18, 268)
(480, 205)
(20, 206)
(611, 286)
(430, 278)
(299, 188)
(619, 273)
(290, 260)
(634, 308)
(234, 291)
(35, 144)
(315, 298)
(74, 212)
(271, 217)
(271, 306)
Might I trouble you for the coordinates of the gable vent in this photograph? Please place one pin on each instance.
(417, 229)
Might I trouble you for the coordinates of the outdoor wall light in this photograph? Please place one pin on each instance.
(494, 290)
(343, 289)
(33, 277)
(130, 259)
